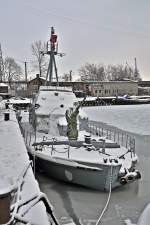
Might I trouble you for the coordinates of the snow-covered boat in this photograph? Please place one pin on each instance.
(129, 100)
(93, 161)
(64, 145)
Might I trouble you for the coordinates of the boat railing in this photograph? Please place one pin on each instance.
(29, 138)
(113, 134)
(66, 151)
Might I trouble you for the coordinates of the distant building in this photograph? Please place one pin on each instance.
(113, 88)
(34, 85)
(91, 88)
(3, 88)
(4, 91)
(102, 88)
(144, 87)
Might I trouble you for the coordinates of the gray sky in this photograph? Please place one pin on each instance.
(95, 31)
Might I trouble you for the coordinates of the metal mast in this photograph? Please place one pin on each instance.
(1, 66)
(52, 51)
(136, 72)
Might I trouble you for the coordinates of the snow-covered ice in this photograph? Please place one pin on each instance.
(131, 118)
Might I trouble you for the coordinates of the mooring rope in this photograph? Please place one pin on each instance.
(108, 199)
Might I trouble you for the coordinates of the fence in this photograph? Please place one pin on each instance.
(114, 134)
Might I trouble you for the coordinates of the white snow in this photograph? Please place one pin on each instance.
(62, 121)
(14, 159)
(5, 186)
(132, 118)
(3, 85)
(58, 88)
(25, 115)
(18, 100)
(54, 102)
(144, 218)
(82, 155)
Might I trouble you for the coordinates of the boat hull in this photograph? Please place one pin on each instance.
(94, 176)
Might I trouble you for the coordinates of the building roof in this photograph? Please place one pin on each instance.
(37, 78)
(3, 85)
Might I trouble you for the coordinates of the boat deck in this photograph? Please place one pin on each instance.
(92, 155)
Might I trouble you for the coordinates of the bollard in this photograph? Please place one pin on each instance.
(6, 116)
(103, 146)
(6, 106)
(87, 139)
(5, 197)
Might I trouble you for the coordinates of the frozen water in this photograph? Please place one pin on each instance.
(131, 118)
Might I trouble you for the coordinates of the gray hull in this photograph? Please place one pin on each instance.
(92, 176)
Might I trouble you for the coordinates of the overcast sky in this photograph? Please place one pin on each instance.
(95, 31)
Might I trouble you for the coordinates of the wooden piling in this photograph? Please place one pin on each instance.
(5, 198)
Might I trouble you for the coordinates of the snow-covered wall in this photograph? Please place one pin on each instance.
(54, 101)
(14, 159)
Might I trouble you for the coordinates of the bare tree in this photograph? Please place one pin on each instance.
(119, 72)
(92, 72)
(38, 48)
(67, 76)
(13, 71)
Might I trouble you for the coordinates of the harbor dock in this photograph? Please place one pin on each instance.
(20, 197)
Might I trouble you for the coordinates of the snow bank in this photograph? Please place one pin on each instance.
(14, 159)
(144, 218)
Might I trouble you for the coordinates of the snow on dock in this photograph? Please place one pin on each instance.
(15, 169)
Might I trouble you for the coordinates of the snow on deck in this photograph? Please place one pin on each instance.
(83, 155)
(80, 154)
(14, 159)
(54, 102)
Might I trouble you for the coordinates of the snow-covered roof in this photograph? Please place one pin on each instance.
(19, 100)
(42, 78)
(52, 88)
(54, 101)
(3, 85)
